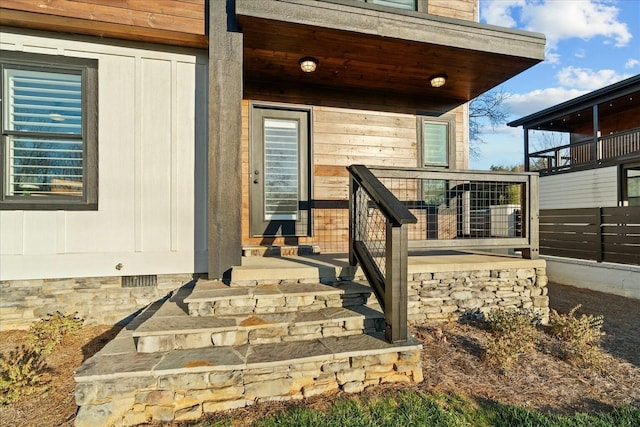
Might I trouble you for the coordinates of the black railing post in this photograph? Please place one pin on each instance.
(353, 188)
(396, 293)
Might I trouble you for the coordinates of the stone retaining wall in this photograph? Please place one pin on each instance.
(448, 295)
(97, 300)
(182, 396)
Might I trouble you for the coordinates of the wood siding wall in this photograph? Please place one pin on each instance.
(341, 137)
(178, 22)
(610, 234)
(152, 126)
(582, 189)
(461, 9)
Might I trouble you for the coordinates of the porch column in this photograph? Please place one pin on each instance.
(225, 129)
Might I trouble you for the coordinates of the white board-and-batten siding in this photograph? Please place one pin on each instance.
(583, 189)
(148, 137)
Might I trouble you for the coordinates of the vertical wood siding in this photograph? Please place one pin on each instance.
(148, 134)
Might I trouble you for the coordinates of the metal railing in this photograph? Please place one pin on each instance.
(585, 153)
(394, 211)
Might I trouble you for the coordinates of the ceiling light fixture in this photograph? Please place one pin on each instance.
(438, 80)
(308, 64)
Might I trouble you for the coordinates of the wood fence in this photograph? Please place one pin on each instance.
(599, 234)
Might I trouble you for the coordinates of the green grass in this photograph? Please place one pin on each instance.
(413, 408)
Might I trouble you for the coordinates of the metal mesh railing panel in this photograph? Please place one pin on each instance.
(370, 228)
(460, 209)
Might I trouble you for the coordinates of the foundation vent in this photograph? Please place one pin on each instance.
(139, 281)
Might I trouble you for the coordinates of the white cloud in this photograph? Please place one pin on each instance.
(580, 53)
(560, 20)
(521, 105)
(499, 12)
(631, 63)
(586, 78)
(551, 57)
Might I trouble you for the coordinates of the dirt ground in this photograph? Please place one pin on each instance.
(451, 360)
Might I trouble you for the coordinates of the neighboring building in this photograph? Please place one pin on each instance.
(589, 166)
(154, 122)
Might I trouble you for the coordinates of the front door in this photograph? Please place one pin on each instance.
(279, 174)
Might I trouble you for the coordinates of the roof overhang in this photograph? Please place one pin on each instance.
(577, 113)
(378, 55)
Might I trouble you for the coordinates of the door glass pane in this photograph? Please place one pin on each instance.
(435, 144)
(281, 171)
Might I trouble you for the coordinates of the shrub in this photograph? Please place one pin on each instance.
(512, 333)
(21, 374)
(47, 333)
(579, 337)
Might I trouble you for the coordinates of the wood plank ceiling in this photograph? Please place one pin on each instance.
(367, 67)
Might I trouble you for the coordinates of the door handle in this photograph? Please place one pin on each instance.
(255, 181)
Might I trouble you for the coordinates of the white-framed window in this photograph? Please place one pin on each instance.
(398, 4)
(48, 151)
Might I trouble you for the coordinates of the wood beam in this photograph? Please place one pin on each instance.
(225, 133)
(63, 24)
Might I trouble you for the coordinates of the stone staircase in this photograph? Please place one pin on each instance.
(275, 334)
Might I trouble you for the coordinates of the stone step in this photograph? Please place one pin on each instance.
(278, 270)
(213, 298)
(119, 386)
(169, 327)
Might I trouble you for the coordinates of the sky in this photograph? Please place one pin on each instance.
(590, 44)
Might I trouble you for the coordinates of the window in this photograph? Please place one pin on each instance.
(436, 151)
(48, 151)
(436, 142)
(398, 4)
(630, 185)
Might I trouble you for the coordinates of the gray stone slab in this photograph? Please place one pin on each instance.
(266, 290)
(368, 312)
(199, 360)
(353, 287)
(117, 365)
(119, 345)
(365, 345)
(204, 284)
(170, 308)
(217, 294)
(264, 320)
(304, 289)
(184, 325)
(276, 354)
(326, 314)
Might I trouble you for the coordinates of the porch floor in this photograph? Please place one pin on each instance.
(332, 267)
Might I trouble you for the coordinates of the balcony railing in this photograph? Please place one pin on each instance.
(396, 211)
(584, 154)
